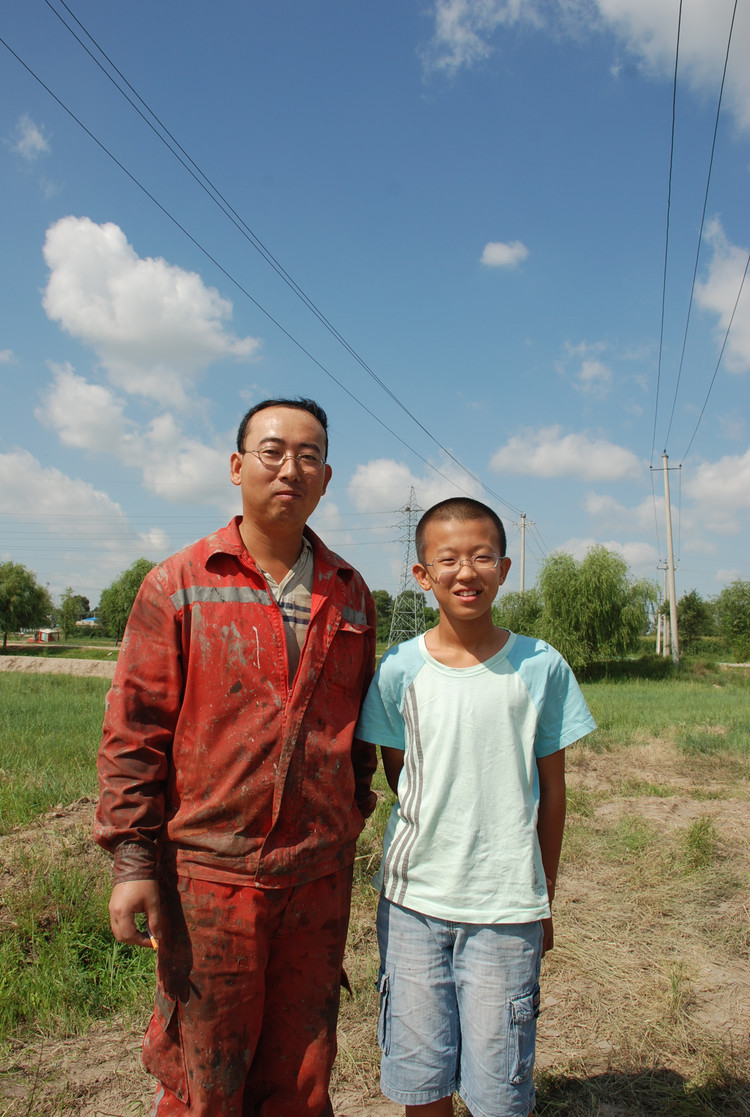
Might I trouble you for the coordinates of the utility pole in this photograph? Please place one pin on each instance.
(670, 567)
(662, 646)
(407, 619)
(522, 526)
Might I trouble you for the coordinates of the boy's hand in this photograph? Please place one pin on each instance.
(548, 935)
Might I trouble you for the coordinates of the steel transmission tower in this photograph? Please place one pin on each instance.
(407, 619)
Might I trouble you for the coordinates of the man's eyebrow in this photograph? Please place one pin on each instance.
(281, 442)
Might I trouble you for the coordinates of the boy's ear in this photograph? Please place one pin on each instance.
(423, 578)
(504, 568)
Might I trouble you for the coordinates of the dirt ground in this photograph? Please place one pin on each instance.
(96, 668)
(649, 976)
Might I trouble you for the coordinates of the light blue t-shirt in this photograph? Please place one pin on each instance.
(461, 841)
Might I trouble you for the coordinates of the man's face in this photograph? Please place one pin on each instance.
(282, 498)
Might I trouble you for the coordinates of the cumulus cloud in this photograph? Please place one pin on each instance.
(720, 490)
(29, 140)
(172, 464)
(639, 556)
(155, 327)
(610, 513)
(465, 32)
(7, 357)
(28, 486)
(383, 485)
(496, 254)
(548, 452)
(718, 293)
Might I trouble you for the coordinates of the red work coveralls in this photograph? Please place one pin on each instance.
(232, 786)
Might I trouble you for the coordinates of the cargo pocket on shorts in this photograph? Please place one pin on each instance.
(523, 1012)
(384, 1013)
(162, 1046)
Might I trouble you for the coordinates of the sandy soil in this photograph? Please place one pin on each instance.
(97, 668)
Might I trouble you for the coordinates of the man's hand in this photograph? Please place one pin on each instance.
(127, 900)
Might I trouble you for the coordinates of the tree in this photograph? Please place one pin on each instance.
(733, 613)
(520, 612)
(117, 599)
(694, 619)
(384, 612)
(592, 610)
(72, 607)
(23, 602)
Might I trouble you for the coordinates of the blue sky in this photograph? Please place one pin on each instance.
(473, 192)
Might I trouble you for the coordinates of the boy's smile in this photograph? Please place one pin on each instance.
(465, 593)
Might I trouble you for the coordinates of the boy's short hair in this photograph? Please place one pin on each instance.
(458, 508)
(299, 404)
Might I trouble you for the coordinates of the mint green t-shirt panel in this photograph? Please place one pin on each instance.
(461, 843)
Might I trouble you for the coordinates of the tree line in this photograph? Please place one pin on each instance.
(590, 610)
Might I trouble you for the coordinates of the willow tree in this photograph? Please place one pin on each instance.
(592, 610)
(23, 602)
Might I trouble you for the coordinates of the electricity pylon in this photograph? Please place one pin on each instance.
(407, 619)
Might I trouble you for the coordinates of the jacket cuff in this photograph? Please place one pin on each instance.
(135, 861)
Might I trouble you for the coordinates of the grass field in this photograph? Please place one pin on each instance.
(646, 998)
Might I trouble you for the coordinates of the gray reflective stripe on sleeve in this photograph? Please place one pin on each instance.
(353, 616)
(221, 595)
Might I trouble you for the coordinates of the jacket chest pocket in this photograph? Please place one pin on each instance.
(346, 663)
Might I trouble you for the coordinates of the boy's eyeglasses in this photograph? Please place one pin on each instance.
(447, 567)
(274, 459)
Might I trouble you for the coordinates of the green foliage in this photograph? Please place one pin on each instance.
(117, 599)
(23, 602)
(384, 611)
(733, 612)
(591, 609)
(519, 612)
(72, 607)
(695, 619)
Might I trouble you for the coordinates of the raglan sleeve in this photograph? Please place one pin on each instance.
(564, 716)
(381, 721)
(142, 708)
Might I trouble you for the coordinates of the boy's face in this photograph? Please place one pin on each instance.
(468, 592)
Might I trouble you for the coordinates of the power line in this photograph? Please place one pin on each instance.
(666, 238)
(703, 221)
(240, 224)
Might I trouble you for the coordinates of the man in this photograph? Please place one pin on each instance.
(231, 796)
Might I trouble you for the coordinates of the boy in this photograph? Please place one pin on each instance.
(472, 721)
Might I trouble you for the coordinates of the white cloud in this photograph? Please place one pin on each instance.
(463, 29)
(29, 140)
(26, 486)
(85, 415)
(719, 491)
(7, 357)
(638, 555)
(609, 513)
(154, 327)
(464, 32)
(718, 293)
(548, 452)
(383, 485)
(499, 255)
(594, 379)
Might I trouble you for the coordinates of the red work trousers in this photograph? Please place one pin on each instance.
(247, 998)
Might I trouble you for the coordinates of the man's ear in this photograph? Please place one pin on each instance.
(235, 468)
(419, 570)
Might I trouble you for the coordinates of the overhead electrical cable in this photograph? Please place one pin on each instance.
(703, 221)
(721, 354)
(666, 237)
(254, 301)
(213, 192)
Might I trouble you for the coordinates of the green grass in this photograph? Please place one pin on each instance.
(50, 726)
(703, 714)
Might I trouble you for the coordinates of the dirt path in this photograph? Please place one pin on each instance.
(91, 668)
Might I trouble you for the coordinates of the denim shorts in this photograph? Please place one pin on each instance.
(458, 1009)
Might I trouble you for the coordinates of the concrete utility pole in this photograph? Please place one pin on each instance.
(522, 526)
(670, 568)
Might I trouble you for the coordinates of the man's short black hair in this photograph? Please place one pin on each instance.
(458, 508)
(299, 404)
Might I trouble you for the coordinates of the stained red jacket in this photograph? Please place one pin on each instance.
(209, 761)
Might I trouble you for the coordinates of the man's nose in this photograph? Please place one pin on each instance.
(290, 466)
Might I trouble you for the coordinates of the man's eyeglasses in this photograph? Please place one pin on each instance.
(273, 458)
(445, 568)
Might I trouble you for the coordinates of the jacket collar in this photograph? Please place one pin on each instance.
(228, 541)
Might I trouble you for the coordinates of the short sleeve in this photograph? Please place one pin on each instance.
(564, 716)
(381, 720)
